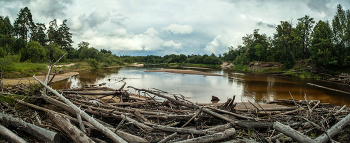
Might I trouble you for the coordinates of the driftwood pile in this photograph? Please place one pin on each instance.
(73, 116)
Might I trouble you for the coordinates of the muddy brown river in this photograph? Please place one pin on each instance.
(199, 88)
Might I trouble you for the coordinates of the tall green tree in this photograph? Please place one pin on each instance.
(6, 32)
(341, 36)
(52, 33)
(40, 35)
(24, 26)
(65, 37)
(306, 24)
(322, 46)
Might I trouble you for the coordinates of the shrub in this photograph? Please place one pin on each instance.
(93, 63)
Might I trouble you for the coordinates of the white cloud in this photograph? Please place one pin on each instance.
(151, 31)
(171, 43)
(77, 23)
(213, 45)
(121, 32)
(178, 29)
(89, 34)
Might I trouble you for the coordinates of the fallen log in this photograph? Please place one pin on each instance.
(182, 130)
(10, 135)
(328, 88)
(211, 138)
(234, 114)
(38, 132)
(334, 130)
(92, 93)
(220, 128)
(295, 135)
(73, 132)
(98, 125)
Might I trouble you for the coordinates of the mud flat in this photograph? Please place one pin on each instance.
(193, 72)
(28, 80)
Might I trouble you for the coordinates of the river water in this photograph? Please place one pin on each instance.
(199, 88)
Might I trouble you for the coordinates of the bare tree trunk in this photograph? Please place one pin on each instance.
(38, 132)
(10, 135)
(73, 132)
(211, 138)
(295, 135)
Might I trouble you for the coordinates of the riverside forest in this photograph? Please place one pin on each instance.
(291, 87)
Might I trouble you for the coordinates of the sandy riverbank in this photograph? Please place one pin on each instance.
(27, 80)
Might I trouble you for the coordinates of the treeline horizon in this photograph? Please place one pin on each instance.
(326, 44)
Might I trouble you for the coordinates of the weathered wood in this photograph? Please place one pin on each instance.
(211, 138)
(166, 139)
(36, 131)
(166, 97)
(11, 136)
(234, 114)
(182, 130)
(220, 128)
(73, 132)
(92, 93)
(335, 129)
(98, 125)
(130, 137)
(295, 135)
(328, 88)
(341, 109)
(81, 125)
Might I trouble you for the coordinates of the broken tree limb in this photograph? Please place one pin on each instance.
(211, 138)
(98, 125)
(168, 138)
(334, 130)
(234, 114)
(11, 136)
(36, 131)
(292, 133)
(92, 93)
(182, 130)
(81, 125)
(126, 136)
(73, 132)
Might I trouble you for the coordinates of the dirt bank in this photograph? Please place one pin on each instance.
(27, 80)
(136, 65)
(184, 72)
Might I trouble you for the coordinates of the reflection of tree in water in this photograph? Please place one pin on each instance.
(90, 77)
(84, 78)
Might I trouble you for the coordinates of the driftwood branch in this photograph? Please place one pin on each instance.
(211, 138)
(99, 126)
(38, 132)
(10, 135)
(73, 132)
(292, 133)
(334, 130)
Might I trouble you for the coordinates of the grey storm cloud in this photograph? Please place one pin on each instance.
(118, 19)
(55, 8)
(263, 24)
(96, 18)
(321, 6)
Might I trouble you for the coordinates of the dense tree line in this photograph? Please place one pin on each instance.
(33, 42)
(194, 59)
(326, 44)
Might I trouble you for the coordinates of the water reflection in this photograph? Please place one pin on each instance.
(198, 88)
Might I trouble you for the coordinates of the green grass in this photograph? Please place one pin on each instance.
(24, 69)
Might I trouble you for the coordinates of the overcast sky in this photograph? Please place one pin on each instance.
(159, 27)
